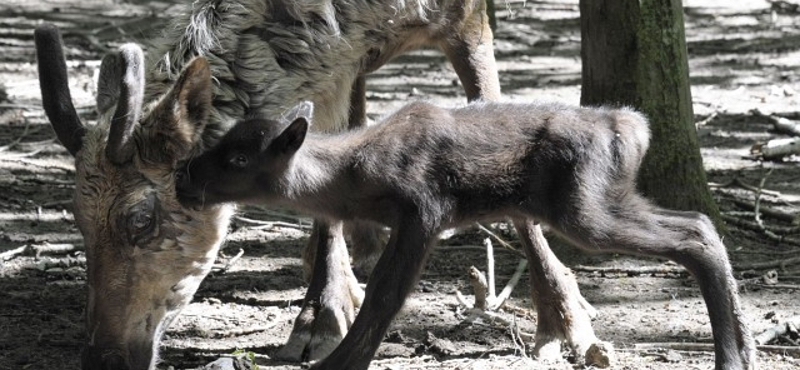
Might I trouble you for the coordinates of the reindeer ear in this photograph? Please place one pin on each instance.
(194, 93)
(120, 147)
(56, 98)
(108, 83)
(292, 137)
(176, 124)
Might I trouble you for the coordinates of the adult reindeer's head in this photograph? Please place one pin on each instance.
(146, 254)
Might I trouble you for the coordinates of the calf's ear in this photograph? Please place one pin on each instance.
(292, 137)
(176, 124)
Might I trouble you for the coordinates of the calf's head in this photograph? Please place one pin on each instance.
(145, 253)
(249, 162)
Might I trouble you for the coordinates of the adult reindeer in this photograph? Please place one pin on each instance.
(146, 254)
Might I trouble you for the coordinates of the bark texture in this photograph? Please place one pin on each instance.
(634, 53)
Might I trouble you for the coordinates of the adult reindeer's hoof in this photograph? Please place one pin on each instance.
(320, 327)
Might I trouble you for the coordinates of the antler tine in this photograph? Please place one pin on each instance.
(129, 106)
(53, 82)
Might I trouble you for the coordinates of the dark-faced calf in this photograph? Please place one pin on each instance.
(426, 169)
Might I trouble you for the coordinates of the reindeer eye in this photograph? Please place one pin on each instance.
(240, 160)
(141, 221)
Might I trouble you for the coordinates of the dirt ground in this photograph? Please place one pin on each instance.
(743, 57)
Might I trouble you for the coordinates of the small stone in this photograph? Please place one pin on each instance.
(601, 355)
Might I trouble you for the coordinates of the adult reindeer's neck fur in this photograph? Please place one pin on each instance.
(267, 55)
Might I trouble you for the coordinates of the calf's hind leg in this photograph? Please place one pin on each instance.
(563, 315)
(632, 225)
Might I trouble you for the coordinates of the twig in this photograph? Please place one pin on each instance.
(9, 156)
(708, 119)
(466, 247)
(758, 201)
(230, 262)
(20, 106)
(19, 138)
(499, 239)
(236, 332)
(506, 292)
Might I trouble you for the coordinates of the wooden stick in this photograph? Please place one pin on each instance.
(506, 292)
(479, 286)
(489, 268)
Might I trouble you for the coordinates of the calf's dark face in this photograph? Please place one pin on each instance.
(246, 165)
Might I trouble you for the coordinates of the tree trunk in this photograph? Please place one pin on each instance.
(634, 54)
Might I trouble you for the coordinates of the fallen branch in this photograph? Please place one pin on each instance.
(779, 286)
(776, 148)
(709, 347)
(259, 224)
(738, 183)
(783, 327)
(634, 271)
(37, 250)
(782, 263)
(766, 211)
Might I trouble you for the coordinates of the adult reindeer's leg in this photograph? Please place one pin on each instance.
(563, 315)
(631, 225)
(394, 277)
(333, 294)
(470, 51)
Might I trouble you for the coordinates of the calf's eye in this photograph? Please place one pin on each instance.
(240, 161)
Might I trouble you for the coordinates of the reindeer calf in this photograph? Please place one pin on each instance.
(425, 169)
